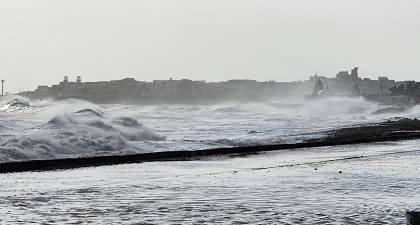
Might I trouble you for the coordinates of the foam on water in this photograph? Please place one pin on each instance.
(75, 133)
(75, 128)
(270, 188)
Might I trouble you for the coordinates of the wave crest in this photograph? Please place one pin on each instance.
(86, 132)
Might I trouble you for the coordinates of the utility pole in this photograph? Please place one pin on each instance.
(2, 87)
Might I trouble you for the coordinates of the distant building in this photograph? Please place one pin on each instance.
(185, 90)
(346, 76)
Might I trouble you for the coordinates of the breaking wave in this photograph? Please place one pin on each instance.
(14, 104)
(50, 129)
(338, 106)
(84, 132)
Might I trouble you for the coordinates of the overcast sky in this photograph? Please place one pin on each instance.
(43, 40)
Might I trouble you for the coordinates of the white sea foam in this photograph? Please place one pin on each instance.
(75, 128)
(75, 133)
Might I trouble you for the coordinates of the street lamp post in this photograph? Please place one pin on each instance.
(2, 87)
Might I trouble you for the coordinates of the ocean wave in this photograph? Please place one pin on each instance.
(77, 128)
(229, 109)
(390, 110)
(14, 104)
(85, 132)
(338, 106)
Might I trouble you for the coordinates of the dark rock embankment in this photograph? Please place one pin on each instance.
(392, 130)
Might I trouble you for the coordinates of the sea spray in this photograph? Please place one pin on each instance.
(85, 132)
(49, 129)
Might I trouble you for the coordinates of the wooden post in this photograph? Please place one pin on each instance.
(413, 217)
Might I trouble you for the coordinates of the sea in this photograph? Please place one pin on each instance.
(326, 185)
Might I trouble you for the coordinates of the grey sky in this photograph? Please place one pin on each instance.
(43, 40)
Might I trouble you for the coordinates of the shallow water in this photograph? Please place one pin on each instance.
(283, 187)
